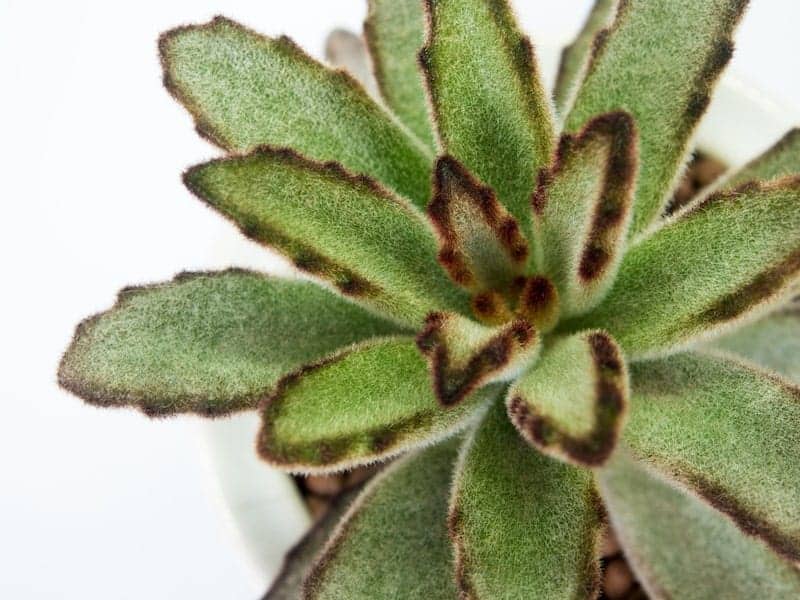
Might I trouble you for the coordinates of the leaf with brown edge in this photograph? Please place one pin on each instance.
(395, 31)
(523, 525)
(344, 229)
(717, 264)
(364, 404)
(393, 541)
(480, 244)
(208, 343)
(575, 57)
(729, 433)
(659, 61)
(298, 561)
(572, 404)
(772, 342)
(464, 355)
(680, 547)
(492, 112)
(245, 90)
(582, 207)
(780, 160)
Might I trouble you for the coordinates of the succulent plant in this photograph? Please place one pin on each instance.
(496, 293)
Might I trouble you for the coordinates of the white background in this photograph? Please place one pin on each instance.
(106, 504)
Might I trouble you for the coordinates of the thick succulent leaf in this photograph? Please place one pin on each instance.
(575, 57)
(772, 342)
(464, 355)
(572, 403)
(298, 561)
(720, 262)
(480, 244)
(344, 49)
(680, 547)
(393, 541)
(369, 402)
(245, 90)
(492, 112)
(395, 31)
(523, 525)
(582, 207)
(659, 61)
(781, 160)
(344, 229)
(208, 343)
(729, 433)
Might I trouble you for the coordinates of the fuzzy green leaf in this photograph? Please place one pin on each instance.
(393, 541)
(395, 30)
(772, 342)
(523, 525)
(344, 49)
(465, 355)
(582, 207)
(369, 402)
(659, 61)
(481, 245)
(208, 343)
(722, 261)
(727, 432)
(245, 90)
(288, 585)
(680, 547)
(781, 160)
(572, 403)
(344, 229)
(492, 112)
(575, 57)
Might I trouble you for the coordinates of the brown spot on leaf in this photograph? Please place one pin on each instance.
(454, 383)
(539, 303)
(610, 405)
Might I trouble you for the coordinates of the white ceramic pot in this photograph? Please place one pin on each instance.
(263, 504)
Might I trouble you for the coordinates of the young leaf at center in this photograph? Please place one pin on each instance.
(572, 404)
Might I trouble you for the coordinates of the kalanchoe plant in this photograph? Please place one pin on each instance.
(502, 301)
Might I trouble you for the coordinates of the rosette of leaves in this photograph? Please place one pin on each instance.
(496, 296)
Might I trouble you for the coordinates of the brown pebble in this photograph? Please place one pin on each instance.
(610, 545)
(706, 169)
(324, 485)
(317, 506)
(617, 579)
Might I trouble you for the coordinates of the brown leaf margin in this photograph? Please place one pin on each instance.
(610, 410)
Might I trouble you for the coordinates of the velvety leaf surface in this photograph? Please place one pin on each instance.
(524, 525)
(393, 542)
(480, 244)
(571, 404)
(772, 342)
(680, 547)
(464, 355)
(729, 433)
(395, 32)
(208, 343)
(344, 49)
(365, 404)
(245, 90)
(722, 261)
(575, 57)
(345, 229)
(781, 160)
(491, 110)
(658, 61)
(299, 560)
(582, 206)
